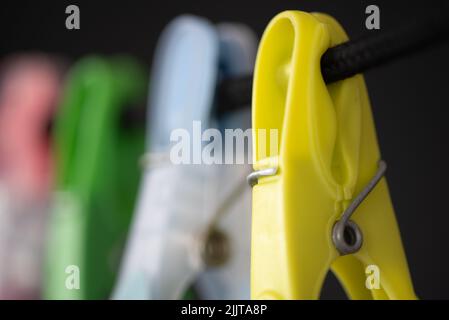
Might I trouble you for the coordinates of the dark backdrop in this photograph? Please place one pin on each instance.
(409, 97)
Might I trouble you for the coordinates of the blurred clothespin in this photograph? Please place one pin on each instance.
(192, 224)
(96, 178)
(29, 91)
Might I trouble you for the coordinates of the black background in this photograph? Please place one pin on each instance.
(409, 97)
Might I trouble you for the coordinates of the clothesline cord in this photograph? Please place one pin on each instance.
(355, 56)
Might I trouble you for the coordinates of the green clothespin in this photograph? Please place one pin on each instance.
(97, 178)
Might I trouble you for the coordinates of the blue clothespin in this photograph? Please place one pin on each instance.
(186, 209)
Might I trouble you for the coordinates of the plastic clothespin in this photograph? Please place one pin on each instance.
(29, 89)
(326, 161)
(157, 261)
(96, 179)
(178, 202)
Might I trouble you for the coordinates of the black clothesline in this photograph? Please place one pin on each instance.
(355, 56)
(342, 61)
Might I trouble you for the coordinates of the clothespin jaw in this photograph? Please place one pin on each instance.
(326, 154)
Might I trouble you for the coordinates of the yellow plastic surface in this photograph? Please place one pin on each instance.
(326, 155)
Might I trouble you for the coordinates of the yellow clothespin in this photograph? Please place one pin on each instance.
(311, 208)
